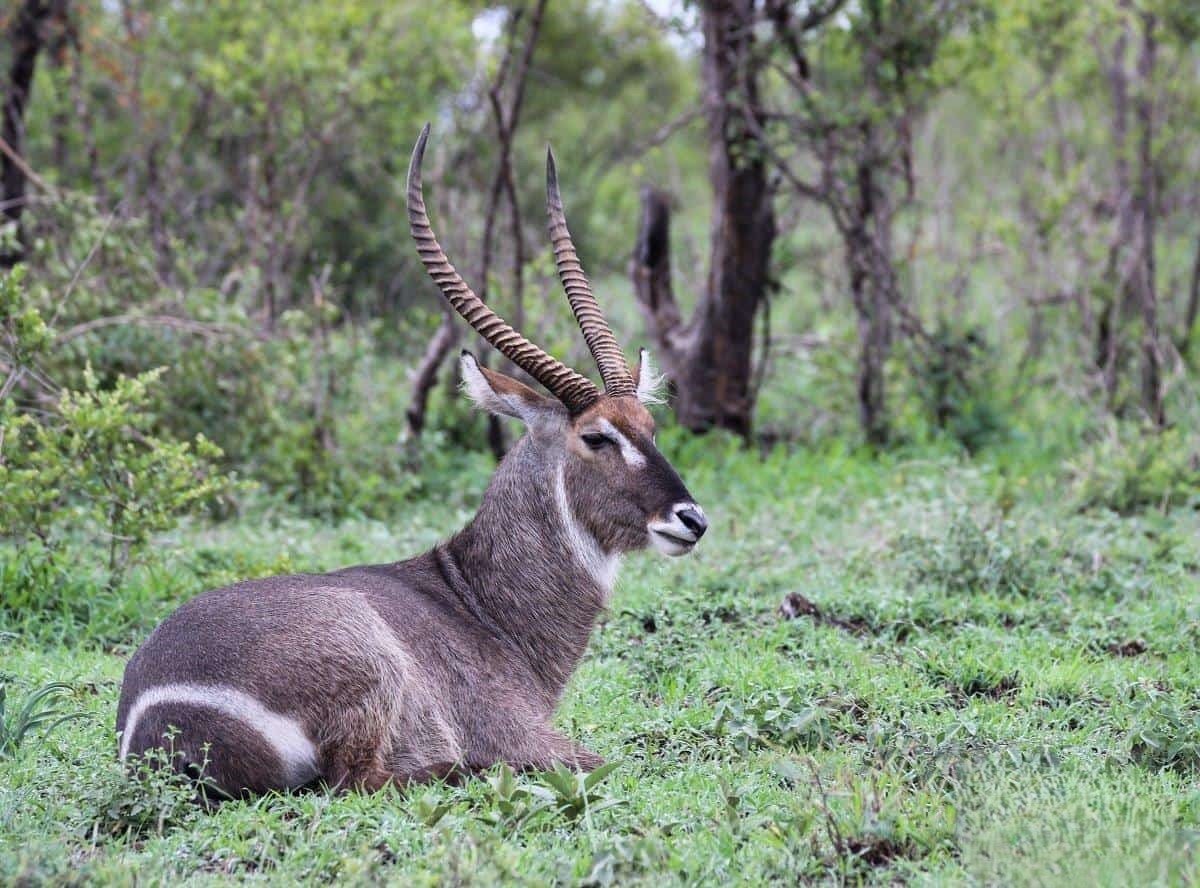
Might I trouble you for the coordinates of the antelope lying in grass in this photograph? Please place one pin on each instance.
(456, 659)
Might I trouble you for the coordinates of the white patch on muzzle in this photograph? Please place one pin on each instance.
(673, 537)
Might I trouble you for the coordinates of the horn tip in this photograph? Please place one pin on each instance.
(422, 139)
(418, 154)
(551, 170)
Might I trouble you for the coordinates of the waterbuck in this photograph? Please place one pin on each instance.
(453, 660)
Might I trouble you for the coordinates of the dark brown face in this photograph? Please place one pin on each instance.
(622, 488)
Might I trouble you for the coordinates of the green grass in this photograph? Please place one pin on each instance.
(986, 685)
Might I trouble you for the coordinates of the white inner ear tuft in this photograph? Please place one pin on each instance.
(475, 385)
(533, 411)
(650, 381)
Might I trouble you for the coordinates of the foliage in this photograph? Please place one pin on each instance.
(773, 719)
(998, 703)
(1130, 469)
(956, 385)
(1163, 734)
(36, 710)
(95, 465)
(578, 795)
(144, 797)
(88, 463)
(971, 558)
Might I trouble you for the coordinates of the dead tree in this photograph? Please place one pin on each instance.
(30, 32)
(505, 99)
(709, 359)
(859, 154)
(1129, 284)
(650, 270)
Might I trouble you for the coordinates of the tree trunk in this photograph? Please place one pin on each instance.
(650, 270)
(711, 361)
(874, 342)
(1117, 268)
(1152, 387)
(426, 375)
(27, 38)
(867, 239)
(1193, 305)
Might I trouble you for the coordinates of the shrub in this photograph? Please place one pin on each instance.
(93, 466)
(972, 558)
(954, 384)
(1131, 469)
(145, 797)
(303, 407)
(84, 468)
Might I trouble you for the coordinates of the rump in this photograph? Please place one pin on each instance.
(220, 736)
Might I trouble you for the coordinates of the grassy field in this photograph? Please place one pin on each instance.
(973, 679)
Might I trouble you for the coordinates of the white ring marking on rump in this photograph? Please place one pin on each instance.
(283, 734)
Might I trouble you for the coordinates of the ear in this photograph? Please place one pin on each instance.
(649, 380)
(497, 393)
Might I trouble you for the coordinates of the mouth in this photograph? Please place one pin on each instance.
(671, 542)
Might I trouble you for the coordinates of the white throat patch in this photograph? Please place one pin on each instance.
(600, 566)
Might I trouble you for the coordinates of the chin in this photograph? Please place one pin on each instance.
(670, 545)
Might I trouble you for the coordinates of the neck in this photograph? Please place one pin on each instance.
(534, 571)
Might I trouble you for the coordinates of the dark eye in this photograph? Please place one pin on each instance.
(596, 441)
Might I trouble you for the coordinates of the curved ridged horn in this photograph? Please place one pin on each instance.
(576, 392)
(601, 342)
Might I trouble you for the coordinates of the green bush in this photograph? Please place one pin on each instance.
(1131, 469)
(304, 407)
(93, 466)
(972, 558)
(83, 471)
(954, 385)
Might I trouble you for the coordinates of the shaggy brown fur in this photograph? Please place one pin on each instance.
(445, 663)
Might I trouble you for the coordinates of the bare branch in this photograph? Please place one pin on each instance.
(25, 169)
(512, 73)
(426, 374)
(169, 322)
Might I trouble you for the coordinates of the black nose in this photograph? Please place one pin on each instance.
(693, 520)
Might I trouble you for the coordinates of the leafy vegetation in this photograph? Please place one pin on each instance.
(1026, 683)
(966, 653)
(37, 711)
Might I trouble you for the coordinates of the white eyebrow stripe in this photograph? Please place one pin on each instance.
(634, 458)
